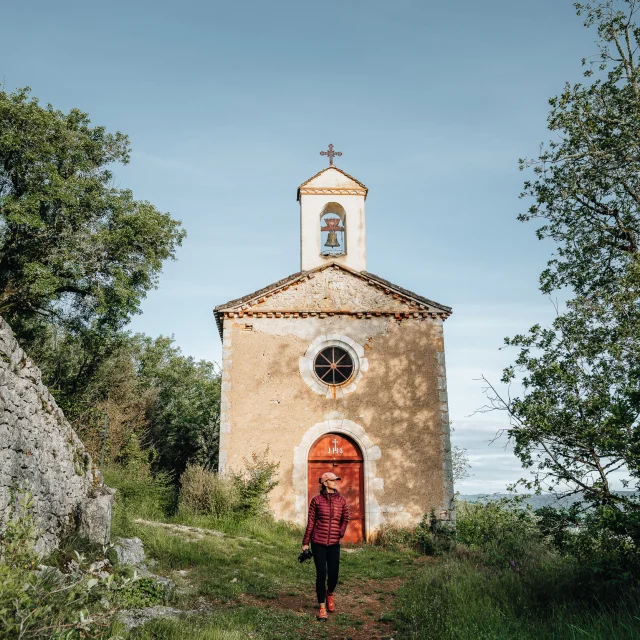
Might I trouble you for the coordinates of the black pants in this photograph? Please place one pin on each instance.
(327, 561)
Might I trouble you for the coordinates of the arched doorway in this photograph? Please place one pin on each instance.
(338, 453)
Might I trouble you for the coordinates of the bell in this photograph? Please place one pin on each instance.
(332, 240)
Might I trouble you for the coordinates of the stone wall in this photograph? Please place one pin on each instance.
(40, 451)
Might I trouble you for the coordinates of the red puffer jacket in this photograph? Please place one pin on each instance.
(328, 519)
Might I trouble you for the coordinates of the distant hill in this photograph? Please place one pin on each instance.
(544, 500)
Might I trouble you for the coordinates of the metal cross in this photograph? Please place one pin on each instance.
(330, 154)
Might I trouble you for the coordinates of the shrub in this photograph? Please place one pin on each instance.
(136, 592)
(504, 529)
(256, 482)
(392, 537)
(42, 603)
(204, 492)
(243, 494)
(430, 536)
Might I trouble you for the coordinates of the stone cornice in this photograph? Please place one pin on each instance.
(331, 191)
(284, 313)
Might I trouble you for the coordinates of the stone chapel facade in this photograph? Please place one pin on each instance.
(336, 369)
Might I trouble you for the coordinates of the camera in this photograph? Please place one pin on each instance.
(305, 555)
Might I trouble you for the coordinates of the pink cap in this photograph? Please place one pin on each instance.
(328, 476)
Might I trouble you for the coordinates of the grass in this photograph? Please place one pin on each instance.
(238, 623)
(258, 559)
(456, 599)
(247, 583)
(240, 579)
(465, 598)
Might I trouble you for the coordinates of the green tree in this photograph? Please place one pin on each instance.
(153, 396)
(73, 248)
(184, 416)
(586, 185)
(576, 421)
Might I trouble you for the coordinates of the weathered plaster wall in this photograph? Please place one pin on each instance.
(40, 451)
(400, 403)
(311, 206)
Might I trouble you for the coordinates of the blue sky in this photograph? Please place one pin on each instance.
(228, 105)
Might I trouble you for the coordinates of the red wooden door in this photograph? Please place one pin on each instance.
(335, 452)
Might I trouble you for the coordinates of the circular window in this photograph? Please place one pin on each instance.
(333, 365)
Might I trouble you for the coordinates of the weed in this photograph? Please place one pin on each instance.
(42, 603)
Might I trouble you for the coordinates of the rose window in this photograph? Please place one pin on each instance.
(333, 366)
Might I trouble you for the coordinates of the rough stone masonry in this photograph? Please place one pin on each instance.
(40, 452)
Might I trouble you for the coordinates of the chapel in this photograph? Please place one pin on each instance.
(336, 369)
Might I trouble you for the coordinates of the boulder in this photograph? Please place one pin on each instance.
(129, 551)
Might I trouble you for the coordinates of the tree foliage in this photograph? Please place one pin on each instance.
(577, 420)
(586, 185)
(184, 416)
(73, 248)
(460, 464)
(159, 404)
(77, 257)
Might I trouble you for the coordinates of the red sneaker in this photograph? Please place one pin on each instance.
(331, 603)
(322, 613)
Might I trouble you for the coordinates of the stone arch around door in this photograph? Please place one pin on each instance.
(370, 454)
(338, 453)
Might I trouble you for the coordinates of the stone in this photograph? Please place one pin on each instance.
(41, 453)
(44, 570)
(137, 617)
(99, 569)
(95, 515)
(129, 551)
(169, 584)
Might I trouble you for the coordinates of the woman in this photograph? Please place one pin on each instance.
(328, 519)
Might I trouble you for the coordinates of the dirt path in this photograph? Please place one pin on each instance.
(363, 608)
(192, 533)
(362, 611)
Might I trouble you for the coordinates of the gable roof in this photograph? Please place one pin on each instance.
(361, 189)
(424, 305)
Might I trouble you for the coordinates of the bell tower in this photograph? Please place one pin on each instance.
(332, 218)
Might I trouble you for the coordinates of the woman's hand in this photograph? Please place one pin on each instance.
(305, 547)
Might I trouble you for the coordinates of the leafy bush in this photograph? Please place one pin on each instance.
(206, 493)
(393, 538)
(559, 524)
(42, 603)
(135, 592)
(608, 559)
(430, 536)
(503, 529)
(244, 494)
(255, 483)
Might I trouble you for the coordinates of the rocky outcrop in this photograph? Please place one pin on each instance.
(40, 452)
